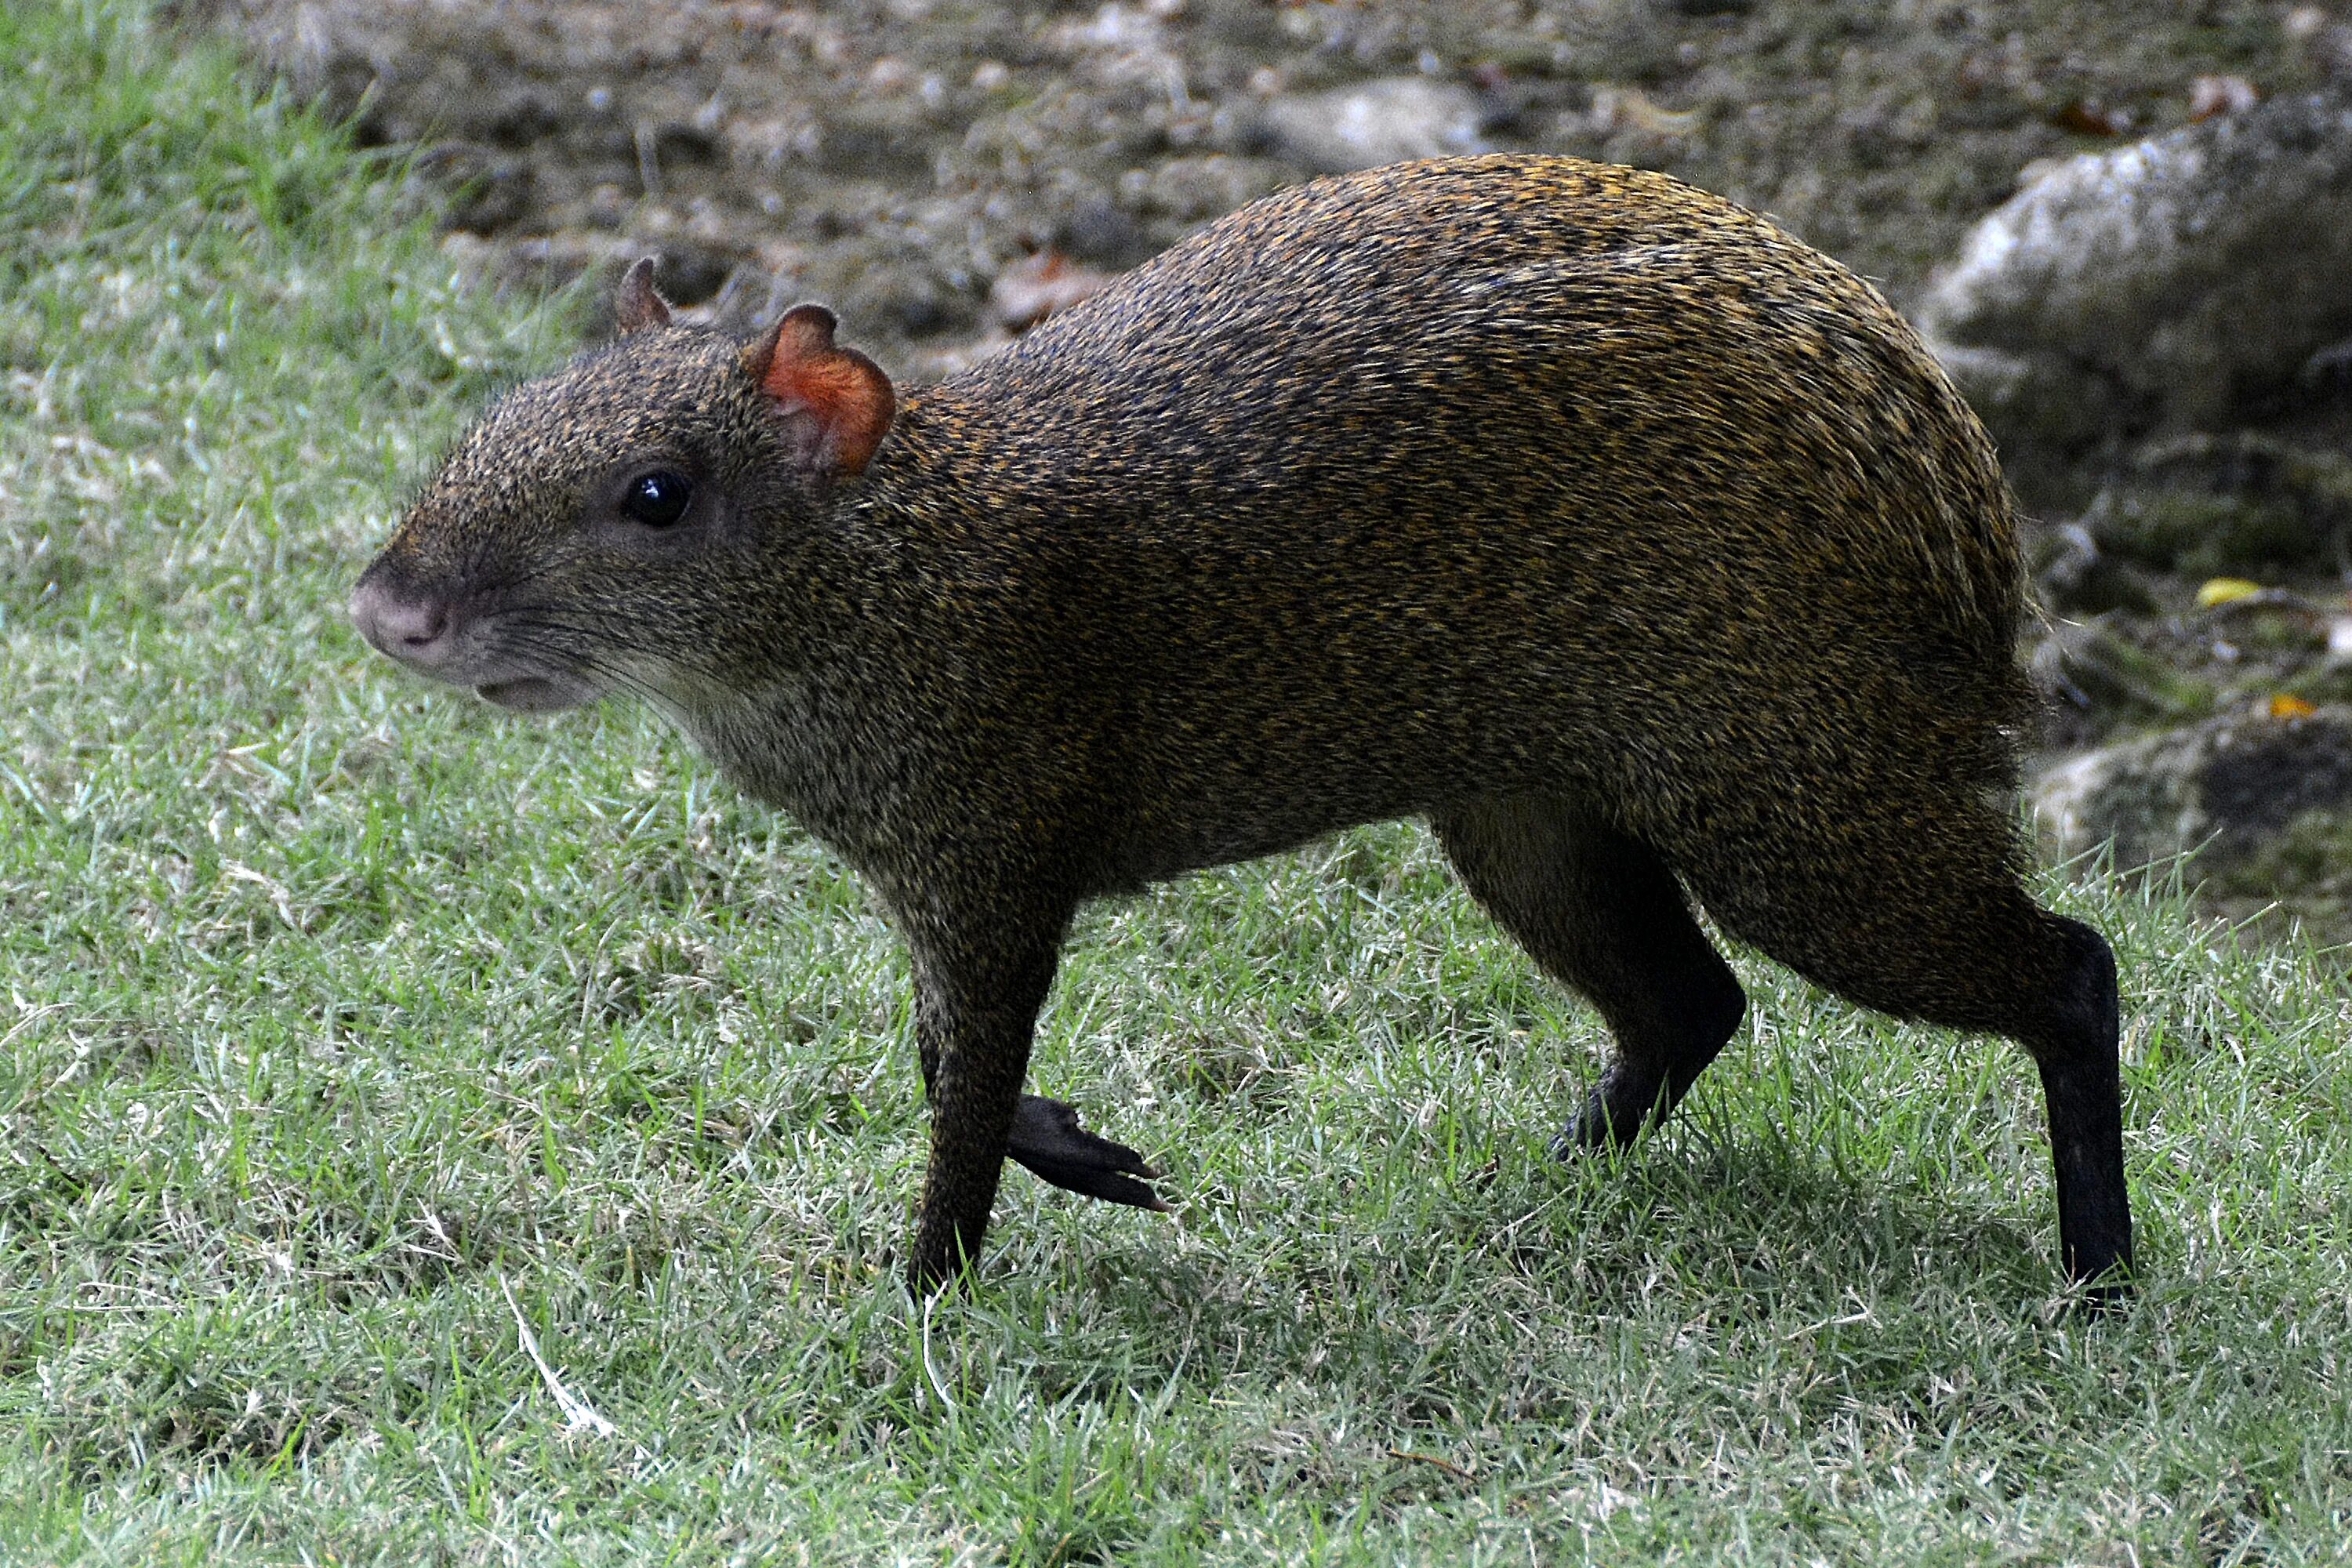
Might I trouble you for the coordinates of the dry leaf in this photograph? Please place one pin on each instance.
(2089, 117)
(1040, 286)
(2284, 706)
(2225, 591)
(2212, 95)
(1613, 107)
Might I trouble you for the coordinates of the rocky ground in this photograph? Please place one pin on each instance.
(2129, 228)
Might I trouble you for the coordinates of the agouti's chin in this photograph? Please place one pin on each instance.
(531, 694)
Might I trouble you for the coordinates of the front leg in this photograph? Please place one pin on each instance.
(977, 986)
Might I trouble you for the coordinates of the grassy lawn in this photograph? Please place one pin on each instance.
(372, 1067)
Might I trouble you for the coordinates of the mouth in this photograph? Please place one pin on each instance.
(531, 694)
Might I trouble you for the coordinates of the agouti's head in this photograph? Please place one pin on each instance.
(639, 520)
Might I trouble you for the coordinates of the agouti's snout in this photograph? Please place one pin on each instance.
(424, 631)
(414, 629)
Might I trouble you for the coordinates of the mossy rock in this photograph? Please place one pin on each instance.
(2205, 505)
(2205, 536)
(2087, 665)
(2265, 803)
(2304, 872)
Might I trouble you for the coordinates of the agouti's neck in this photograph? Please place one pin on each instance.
(911, 592)
(928, 477)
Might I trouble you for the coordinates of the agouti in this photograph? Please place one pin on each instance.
(1641, 548)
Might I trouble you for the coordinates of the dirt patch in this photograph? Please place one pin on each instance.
(894, 157)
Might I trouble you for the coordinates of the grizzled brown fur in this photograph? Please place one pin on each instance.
(1637, 546)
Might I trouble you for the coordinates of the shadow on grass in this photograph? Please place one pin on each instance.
(1469, 1302)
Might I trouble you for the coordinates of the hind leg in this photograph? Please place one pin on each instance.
(1926, 919)
(2074, 1044)
(1601, 913)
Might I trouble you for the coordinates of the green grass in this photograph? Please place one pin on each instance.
(332, 1010)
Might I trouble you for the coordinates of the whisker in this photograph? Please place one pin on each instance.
(582, 660)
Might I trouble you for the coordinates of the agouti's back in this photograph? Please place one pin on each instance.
(1517, 470)
(1639, 548)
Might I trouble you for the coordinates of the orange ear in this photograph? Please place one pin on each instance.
(635, 306)
(796, 363)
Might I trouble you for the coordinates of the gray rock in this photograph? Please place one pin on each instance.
(2230, 783)
(2159, 285)
(1376, 123)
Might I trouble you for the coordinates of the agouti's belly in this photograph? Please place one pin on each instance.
(1210, 786)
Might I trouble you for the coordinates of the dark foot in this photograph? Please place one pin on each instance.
(2104, 1297)
(1613, 1116)
(1641, 1087)
(1047, 1139)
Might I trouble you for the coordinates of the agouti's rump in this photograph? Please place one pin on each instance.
(1634, 544)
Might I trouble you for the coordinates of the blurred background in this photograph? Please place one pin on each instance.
(2126, 228)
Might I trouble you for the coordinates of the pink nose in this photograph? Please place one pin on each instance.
(411, 630)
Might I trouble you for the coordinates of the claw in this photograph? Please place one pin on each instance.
(1047, 1139)
(1612, 1117)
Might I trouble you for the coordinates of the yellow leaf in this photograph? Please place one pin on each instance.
(2225, 591)
(2284, 706)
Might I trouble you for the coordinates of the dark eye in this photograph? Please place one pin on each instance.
(658, 499)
